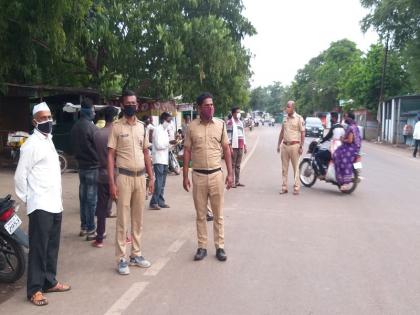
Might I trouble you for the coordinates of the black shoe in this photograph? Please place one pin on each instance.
(209, 217)
(92, 237)
(220, 254)
(201, 253)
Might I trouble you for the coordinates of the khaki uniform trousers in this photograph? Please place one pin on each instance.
(290, 153)
(209, 187)
(130, 204)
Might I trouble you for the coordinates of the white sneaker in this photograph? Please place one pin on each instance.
(139, 261)
(123, 267)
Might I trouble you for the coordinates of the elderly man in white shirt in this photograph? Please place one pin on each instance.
(38, 184)
(160, 154)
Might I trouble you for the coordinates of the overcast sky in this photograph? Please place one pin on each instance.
(291, 32)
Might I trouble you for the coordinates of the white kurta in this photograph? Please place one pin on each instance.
(38, 175)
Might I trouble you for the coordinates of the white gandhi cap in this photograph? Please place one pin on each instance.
(40, 107)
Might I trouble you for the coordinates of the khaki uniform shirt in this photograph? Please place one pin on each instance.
(293, 128)
(129, 141)
(206, 143)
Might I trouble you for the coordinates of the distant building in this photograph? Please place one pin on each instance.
(394, 113)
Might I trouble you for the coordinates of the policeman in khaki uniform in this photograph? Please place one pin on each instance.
(128, 148)
(291, 140)
(206, 140)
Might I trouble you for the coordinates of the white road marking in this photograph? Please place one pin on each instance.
(249, 155)
(176, 246)
(157, 266)
(127, 298)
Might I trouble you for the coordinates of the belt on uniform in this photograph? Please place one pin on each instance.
(207, 172)
(291, 142)
(127, 172)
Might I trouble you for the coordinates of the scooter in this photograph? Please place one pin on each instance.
(12, 242)
(310, 170)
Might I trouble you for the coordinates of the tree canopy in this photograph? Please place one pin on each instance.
(340, 73)
(161, 49)
(399, 22)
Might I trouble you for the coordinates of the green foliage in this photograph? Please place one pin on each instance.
(342, 72)
(398, 21)
(161, 49)
(317, 86)
(363, 81)
(270, 99)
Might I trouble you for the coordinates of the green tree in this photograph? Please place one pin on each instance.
(317, 86)
(161, 49)
(270, 99)
(362, 82)
(397, 21)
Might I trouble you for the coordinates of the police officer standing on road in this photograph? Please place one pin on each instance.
(206, 140)
(291, 140)
(128, 148)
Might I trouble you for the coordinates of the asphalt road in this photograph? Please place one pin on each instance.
(321, 252)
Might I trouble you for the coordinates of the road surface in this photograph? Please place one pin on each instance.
(321, 252)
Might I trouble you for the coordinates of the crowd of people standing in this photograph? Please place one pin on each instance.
(116, 165)
(113, 163)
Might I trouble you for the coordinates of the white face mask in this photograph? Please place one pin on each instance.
(165, 125)
(238, 116)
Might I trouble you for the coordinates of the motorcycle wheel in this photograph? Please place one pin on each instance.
(174, 165)
(307, 173)
(63, 162)
(12, 260)
(354, 183)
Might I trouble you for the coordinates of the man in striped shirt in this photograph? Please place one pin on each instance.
(236, 133)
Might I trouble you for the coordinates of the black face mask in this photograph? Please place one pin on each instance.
(45, 127)
(129, 111)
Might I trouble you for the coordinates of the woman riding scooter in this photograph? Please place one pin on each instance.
(345, 155)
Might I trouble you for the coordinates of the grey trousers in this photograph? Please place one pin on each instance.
(236, 163)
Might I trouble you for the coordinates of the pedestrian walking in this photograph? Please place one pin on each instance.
(38, 184)
(416, 136)
(236, 133)
(160, 157)
(84, 149)
(290, 144)
(104, 204)
(128, 150)
(206, 139)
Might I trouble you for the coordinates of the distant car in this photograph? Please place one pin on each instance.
(313, 127)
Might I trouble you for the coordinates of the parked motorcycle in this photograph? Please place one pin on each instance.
(174, 150)
(12, 241)
(310, 170)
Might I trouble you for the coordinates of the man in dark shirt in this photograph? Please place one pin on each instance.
(104, 204)
(82, 138)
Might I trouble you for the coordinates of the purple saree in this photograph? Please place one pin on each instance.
(345, 155)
